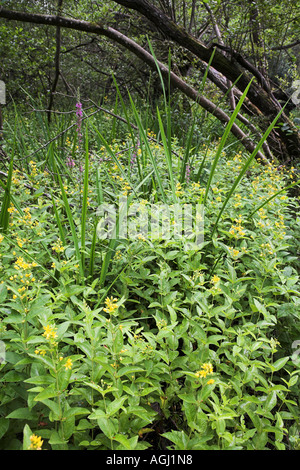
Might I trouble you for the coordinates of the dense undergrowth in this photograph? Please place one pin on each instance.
(146, 343)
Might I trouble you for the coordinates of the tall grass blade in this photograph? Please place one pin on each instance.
(168, 155)
(273, 196)
(72, 226)
(148, 149)
(59, 224)
(245, 168)
(223, 140)
(85, 199)
(114, 241)
(4, 214)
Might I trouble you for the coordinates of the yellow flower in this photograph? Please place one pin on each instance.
(1, 237)
(179, 191)
(68, 364)
(215, 279)
(58, 246)
(50, 332)
(111, 305)
(36, 442)
(206, 369)
(209, 382)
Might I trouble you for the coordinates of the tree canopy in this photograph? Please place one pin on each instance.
(65, 46)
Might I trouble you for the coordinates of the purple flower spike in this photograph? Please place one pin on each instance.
(187, 173)
(70, 162)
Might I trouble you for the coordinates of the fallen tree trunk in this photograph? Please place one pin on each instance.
(285, 141)
(131, 45)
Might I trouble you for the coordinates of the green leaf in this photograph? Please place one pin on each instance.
(97, 414)
(126, 443)
(108, 427)
(55, 439)
(75, 411)
(54, 407)
(279, 363)
(4, 425)
(115, 405)
(179, 438)
(146, 414)
(118, 342)
(129, 370)
(40, 379)
(271, 401)
(12, 376)
(26, 437)
(23, 413)
(49, 392)
(3, 292)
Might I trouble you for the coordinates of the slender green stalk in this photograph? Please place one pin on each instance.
(245, 168)
(93, 250)
(273, 196)
(168, 155)
(59, 224)
(85, 199)
(115, 240)
(72, 226)
(4, 214)
(148, 149)
(223, 141)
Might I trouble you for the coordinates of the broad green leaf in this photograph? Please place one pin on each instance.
(179, 438)
(108, 426)
(279, 363)
(23, 413)
(4, 425)
(115, 405)
(26, 437)
(271, 401)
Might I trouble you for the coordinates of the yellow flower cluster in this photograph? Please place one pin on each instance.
(36, 442)
(42, 352)
(1, 238)
(179, 191)
(111, 305)
(234, 252)
(50, 332)
(274, 343)
(215, 279)
(267, 248)
(21, 264)
(58, 246)
(17, 177)
(26, 278)
(206, 369)
(118, 255)
(237, 230)
(33, 168)
(126, 188)
(68, 364)
(11, 209)
(237, 198)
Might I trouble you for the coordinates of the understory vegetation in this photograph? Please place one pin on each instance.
(145, 342)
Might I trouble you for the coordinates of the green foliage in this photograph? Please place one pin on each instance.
(143, 343)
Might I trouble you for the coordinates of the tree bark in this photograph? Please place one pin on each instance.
(193, 45)
(287, 146)
(131, 45)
